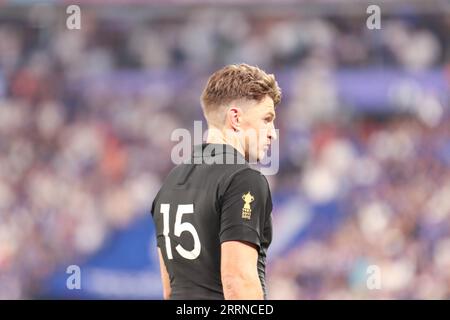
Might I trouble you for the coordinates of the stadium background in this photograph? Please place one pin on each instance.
(86, 117)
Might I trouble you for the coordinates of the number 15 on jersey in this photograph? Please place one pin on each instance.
(178, 229)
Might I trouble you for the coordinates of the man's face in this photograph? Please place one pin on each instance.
(258, 129)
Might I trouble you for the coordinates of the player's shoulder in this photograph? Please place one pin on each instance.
(247, 176)
(250, 173)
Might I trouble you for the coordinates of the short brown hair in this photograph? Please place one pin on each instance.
(239, 81)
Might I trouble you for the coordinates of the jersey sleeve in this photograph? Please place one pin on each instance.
(243, 207)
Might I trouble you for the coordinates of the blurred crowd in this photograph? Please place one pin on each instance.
(391, 180)
(86, 118)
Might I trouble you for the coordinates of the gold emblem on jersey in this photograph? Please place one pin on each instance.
(247, 210)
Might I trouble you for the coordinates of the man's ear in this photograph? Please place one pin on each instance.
(234, 115)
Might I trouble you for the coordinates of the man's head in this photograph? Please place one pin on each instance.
(239, 100)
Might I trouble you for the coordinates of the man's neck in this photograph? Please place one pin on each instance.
(216, 135)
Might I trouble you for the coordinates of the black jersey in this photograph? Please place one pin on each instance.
(200, 205)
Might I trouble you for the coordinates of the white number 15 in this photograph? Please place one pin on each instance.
(179, 228)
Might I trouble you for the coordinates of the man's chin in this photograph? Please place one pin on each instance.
(258, 157)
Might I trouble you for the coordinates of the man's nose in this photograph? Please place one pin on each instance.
(273, 133)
